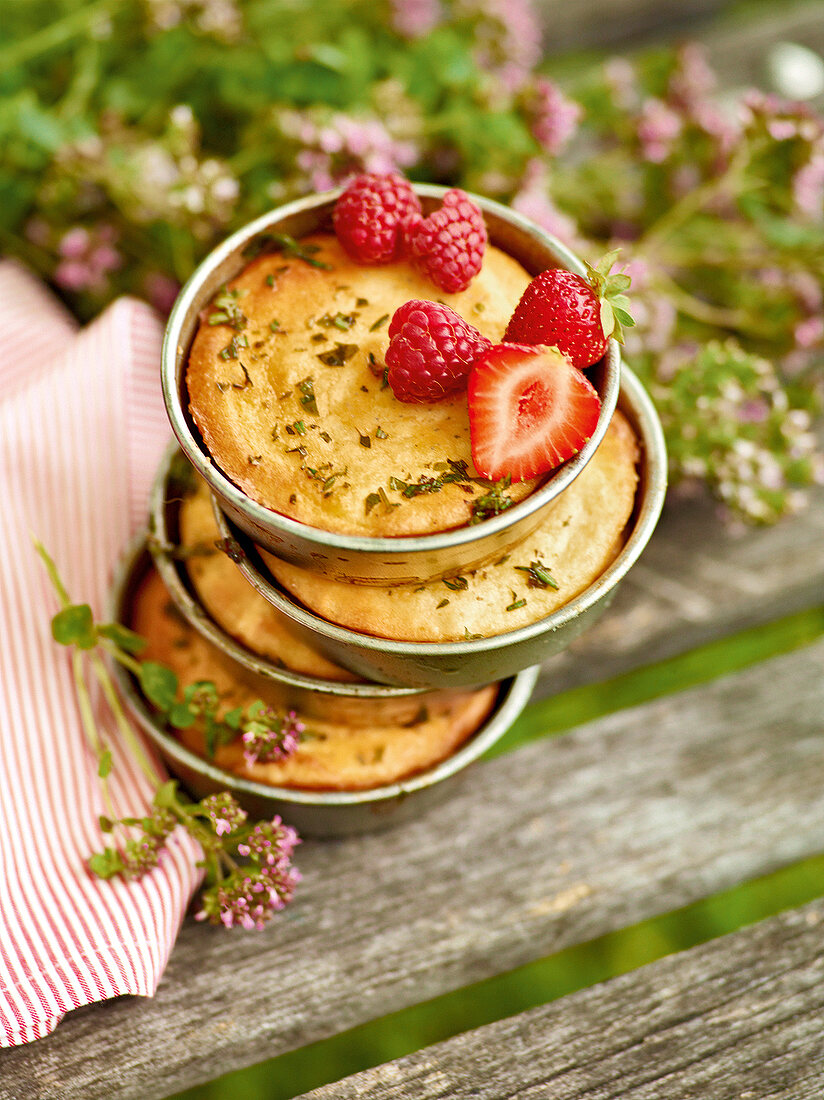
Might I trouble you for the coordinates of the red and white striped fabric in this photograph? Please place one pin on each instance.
(82, 427)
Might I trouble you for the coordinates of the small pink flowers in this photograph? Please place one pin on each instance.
(554, 117)
(224, 812)
(251, 895)
(270, 737)
(86, 258)
(659, 126)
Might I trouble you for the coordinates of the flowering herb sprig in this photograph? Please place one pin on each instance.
(235, 892)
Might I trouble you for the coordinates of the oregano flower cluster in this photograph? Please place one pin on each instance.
(248, 870)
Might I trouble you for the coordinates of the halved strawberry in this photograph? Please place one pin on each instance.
(529, 411)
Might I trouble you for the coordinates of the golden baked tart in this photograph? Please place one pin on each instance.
(571, 548)
(233, 603)
(333, 754)
(286, 385)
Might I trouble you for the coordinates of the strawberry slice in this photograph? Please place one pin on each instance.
(529, 411)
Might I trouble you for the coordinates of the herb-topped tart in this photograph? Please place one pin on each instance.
(287, 384)
(571, 548)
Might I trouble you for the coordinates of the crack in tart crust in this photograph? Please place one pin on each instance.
(301, 420)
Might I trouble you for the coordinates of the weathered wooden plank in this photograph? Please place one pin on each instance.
(555, 844)
(698, 580)
(588, 24)
(733, 1019)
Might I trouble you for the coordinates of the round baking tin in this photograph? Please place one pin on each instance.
(364, 559)
(312, 813)
(358, 702)
(477, 661)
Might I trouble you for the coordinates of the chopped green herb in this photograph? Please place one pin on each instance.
(326, 437)
(361, 302)
(293, 498)
(338, 355)
(379, 323)
(307, 389)
(516, 604)
(365, 441)
(467, 637)
(281, 242)
(254, 460)
(270, 280)
(380, 433)
(479, 307)
(457, 584)
(299, 427)
(443, 603)
(238, 341)
(493, 502)
(275, 327)
(319, 338)
(370, 502)
(538, 576)
(228, 311)
(343, 321)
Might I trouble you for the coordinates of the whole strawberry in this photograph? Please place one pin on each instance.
(574, 314)
(448, 246)
(431, 351)
(370, 214)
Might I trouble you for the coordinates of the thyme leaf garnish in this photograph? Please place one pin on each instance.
(538, 576)
(307, 389)
(493, 502)
(338, 355)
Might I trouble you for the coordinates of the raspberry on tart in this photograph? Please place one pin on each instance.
(431, 351)
(370, 215)
(448, 246)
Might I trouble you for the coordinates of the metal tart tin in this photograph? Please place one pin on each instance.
(365, 559)
(357, 702)
(312, 813)
(477, 661)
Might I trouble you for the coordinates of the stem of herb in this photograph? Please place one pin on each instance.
(123, 724)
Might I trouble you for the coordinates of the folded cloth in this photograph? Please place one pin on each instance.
(82, 428)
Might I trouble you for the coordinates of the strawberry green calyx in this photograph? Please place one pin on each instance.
(614, 304)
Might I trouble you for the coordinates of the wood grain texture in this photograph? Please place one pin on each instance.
(697, 581)
(734, 1019)
(555, 844)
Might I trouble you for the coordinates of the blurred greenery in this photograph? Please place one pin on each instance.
(583, 965)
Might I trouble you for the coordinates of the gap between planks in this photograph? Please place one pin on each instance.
(736, 1019)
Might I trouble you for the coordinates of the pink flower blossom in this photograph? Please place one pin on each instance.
(622, 83)
(533, 201)
(809, 332)
(508, 34)
(658, 128)
(161, 290)
(415, 18)
(88, 258)
(554, 117)
(224, 812)
(693, 79)
(271, 737)
(808, 186)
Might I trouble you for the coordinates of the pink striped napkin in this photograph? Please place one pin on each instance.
(82, 427)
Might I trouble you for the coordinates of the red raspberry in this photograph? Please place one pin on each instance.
(431, 351)
(370, 214)
(448, 246)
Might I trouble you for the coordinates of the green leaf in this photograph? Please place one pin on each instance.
(232, 718)
(159, 684)
(625, 318)
(106, 824)
(618, 282)
(105, 764)
(74, 625)
(606, 262)
(181, 716)
(607, 318)
(106, 864)
(123, 637)
(254, 709)
(166, 795)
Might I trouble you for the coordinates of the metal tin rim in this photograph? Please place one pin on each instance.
(197, 616)
(200, 459)
(515, 694)
(652, 502)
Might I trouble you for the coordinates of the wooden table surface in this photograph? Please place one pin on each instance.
(550, 844)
